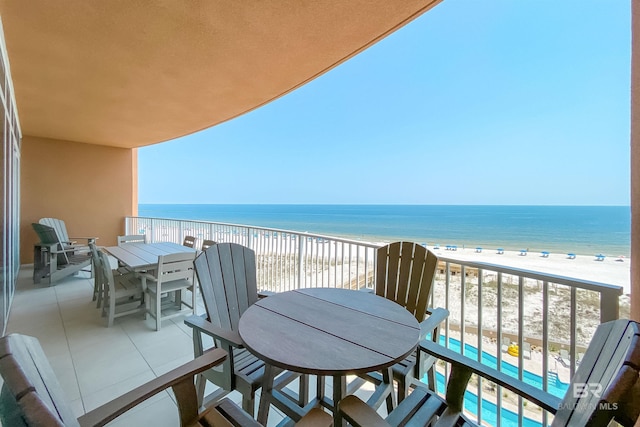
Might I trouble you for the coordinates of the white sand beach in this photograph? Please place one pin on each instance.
(611, 270)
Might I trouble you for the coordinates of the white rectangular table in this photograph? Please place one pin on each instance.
(144, 256)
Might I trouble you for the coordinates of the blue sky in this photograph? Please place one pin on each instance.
(475, 102)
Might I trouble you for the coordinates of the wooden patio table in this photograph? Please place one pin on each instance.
(326, 331)
(144, 256)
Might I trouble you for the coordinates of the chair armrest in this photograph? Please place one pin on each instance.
(541, 398)
(88, 239)
(202, 325)
(431, 323)
(111, 410)
(53, 248)
(358, 413)
(264, 294)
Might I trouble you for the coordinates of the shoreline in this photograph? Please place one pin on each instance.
(584, 230)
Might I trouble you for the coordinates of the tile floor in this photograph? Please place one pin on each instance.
(95, 364)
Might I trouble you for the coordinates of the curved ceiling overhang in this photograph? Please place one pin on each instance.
(129, 73)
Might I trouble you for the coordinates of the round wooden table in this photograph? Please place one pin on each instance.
(326, 331)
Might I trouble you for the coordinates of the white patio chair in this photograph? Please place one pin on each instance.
(123, 293)
(173, 274)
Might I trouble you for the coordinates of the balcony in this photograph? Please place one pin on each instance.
(551, 318)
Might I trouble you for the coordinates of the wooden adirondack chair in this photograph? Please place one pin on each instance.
(404, 274)
(32, 396)
(227, 278)
(61, 230)
(605, 387)
(54, 260)
(173, 274)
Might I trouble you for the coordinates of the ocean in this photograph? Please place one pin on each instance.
(585, 230)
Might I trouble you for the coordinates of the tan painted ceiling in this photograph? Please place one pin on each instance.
(130, 73)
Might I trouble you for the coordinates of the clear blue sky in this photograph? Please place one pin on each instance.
(475, 102)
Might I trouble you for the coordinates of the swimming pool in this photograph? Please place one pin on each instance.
(489, 409)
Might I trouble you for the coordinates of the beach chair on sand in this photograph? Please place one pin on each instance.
(564, 359)
(500, 251)
(506, 342)
(526, 350)
(599, 257)
(544, 254)
(523, 252)
(611, 366)
(571, 256)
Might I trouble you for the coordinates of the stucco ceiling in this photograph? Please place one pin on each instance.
(130, 73)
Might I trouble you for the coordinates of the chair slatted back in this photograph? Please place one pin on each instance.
(132, 238)
(227, 276)
(607, 382)
(31, 393)
(97, 266)
(404, 274)
(175, 267)
(59, 226)
(189, 241)
(48, 236)
(106, 273)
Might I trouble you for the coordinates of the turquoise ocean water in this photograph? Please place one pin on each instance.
(580, 229)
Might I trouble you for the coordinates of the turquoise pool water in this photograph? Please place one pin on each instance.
(489, 410)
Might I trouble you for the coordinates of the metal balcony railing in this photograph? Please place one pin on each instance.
(532, 325)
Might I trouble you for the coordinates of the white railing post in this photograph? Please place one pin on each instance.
(301, 242)
(609, 306)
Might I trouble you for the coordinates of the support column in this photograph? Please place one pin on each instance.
(635, 160)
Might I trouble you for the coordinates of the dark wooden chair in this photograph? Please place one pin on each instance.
(404, 274)
(189, 241)
(206, 244)
(31, 394)
(227, 278)
(605, 387)
(53, 260)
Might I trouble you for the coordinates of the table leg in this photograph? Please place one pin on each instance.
(339, 390)
(267, 387)
(320, 387)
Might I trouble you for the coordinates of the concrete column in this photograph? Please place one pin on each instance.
(635, 160)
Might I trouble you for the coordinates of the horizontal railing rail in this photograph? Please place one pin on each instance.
(531, 324)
